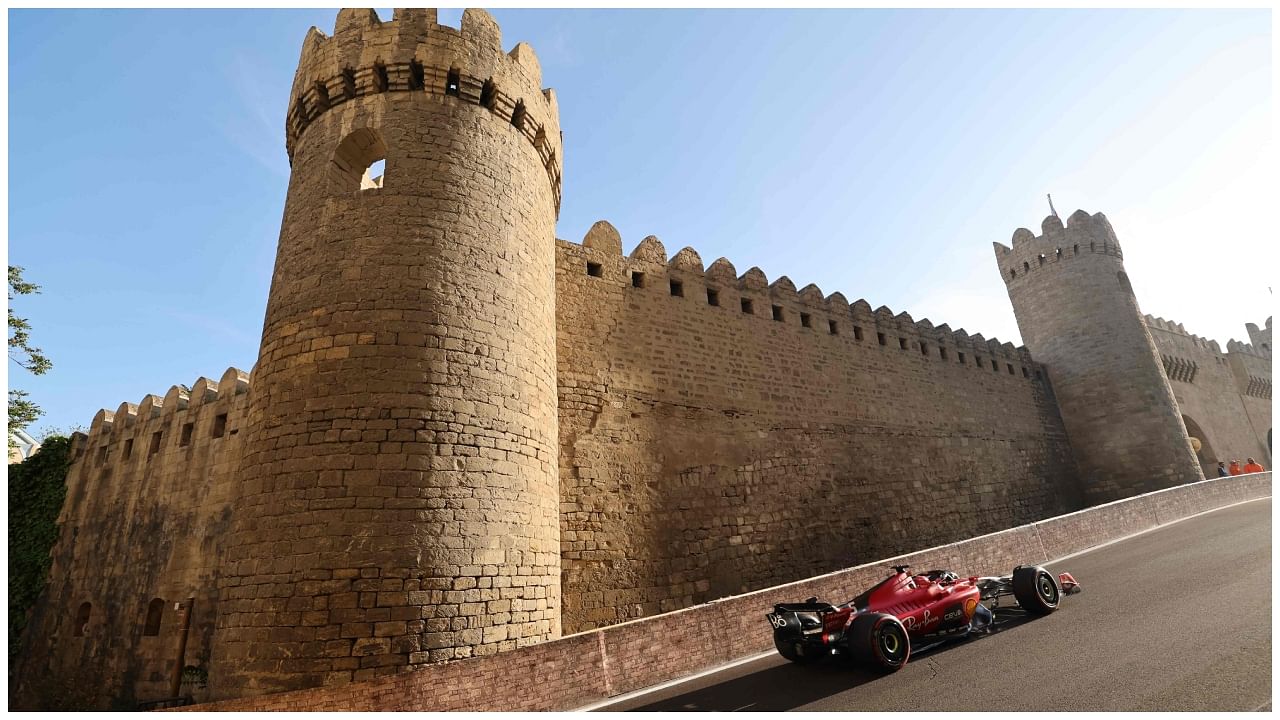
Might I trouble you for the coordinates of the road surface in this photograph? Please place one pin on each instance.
(1178, 618)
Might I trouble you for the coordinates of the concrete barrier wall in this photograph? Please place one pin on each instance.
(582, 669)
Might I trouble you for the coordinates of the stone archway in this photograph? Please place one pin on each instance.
(358, 153)
(1204, 450)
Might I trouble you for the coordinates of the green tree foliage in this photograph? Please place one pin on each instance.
(22, 411)
(37, 487)
(49, 431)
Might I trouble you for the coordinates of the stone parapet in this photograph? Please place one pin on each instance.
(648, 266)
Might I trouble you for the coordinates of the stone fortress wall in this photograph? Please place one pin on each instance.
(383, 494)
(148, 505)
(720, 433)
(1224, 398)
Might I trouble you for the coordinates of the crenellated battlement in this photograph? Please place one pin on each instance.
(752, 296)
(1247, 349)
(109, 426)
(1233, 345)
(1260, 338)
(1176, 328)
(1083, 235)
(413, 53)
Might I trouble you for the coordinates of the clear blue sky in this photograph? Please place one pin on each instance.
(875, 153)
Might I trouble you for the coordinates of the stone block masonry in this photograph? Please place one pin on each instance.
(721, 433)
(464, 438)
(147, 511)
(1077, 313)
(399, 498)
(583, 669)
(1224, 398)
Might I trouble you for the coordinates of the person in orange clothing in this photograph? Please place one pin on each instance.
(1252, 467)
(1234, 467)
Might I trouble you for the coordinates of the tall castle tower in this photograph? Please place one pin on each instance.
(1079, 317)
(398, 491)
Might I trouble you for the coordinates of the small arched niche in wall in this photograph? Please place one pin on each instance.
(82, 619)
(359, 162)
(155, 613)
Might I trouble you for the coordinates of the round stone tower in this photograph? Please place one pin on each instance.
(1079, 317)
(398, 499)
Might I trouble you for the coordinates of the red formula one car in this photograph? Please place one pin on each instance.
(879, 627)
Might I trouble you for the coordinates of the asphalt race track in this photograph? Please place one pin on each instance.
(1176, 619)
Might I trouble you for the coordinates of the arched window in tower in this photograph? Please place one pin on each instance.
(155, 612)
(1026, 267)
(359, 161)
(380, 80)
(1124, 282)
(82, 619)
(453, 82)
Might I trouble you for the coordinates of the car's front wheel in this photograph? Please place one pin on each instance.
(1036, 589)
(878, 642)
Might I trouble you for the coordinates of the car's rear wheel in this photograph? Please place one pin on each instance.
(1036, 589)
(878, 642)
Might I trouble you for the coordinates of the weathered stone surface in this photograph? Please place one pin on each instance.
(1078, 314)
(465, 437)
(426, 450)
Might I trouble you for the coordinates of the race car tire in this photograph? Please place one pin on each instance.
(878, 642)
(1036, 589)
(787, 649)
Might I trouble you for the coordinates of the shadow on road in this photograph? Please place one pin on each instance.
(788, 686)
